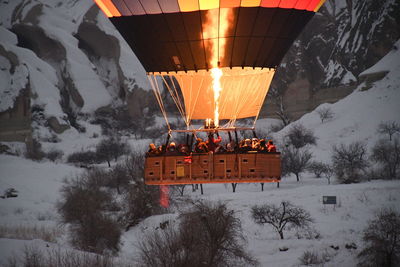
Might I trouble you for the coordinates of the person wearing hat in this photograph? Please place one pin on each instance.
(213, 143)
(271, 147)
(200, 146)
(255, 143)
(247, 145)
(262, 146)
(152, 150)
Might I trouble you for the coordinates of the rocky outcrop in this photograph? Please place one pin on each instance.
(343, 39)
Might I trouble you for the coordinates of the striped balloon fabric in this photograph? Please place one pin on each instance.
(183, 35)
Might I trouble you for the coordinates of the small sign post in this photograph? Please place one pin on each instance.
(329, 200)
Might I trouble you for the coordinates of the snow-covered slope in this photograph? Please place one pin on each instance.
(68, 54)
(357, 116)
(355, 119)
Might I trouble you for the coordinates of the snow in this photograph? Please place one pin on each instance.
(84, 79)
(7, 37)
(42, 78)
(11, 84)
(356, 118)
(387, 63)
(128, 61)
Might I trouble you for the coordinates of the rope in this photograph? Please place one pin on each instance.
(175, 97)
(157, 94)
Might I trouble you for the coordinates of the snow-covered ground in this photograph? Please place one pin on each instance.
(355, 119)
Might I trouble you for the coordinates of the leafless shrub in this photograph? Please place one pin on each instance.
(315, 258)
(140, 202)
(209, 235)
(299, 136)
(30, 232)
(111, 148)
(119, 178)
(389, 127)
(179, 188)
(295, 160)
(96, 233)
(328, 172)
(387, 154)
(317, 168)
(85, 158)
(34, 150)
(276, 127)
(325, 113)
(310, 258)
(349, 162)
(307, 232)
(33, 256)
(54, 154)
(282, 216)
(134, 164)
(382, 240)
(83, 205)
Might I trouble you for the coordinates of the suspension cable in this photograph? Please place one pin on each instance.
(157, 94)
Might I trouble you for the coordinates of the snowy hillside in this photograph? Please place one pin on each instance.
(355, 119)
(74, 59)
(357, 116)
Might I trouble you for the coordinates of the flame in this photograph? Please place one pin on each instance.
(216, 74)
(216, 25)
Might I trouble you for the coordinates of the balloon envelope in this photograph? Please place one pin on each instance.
(169, 35)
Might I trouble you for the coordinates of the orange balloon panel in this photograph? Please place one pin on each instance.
(243, 92)
(116, 8)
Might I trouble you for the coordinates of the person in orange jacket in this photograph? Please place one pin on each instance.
(271, 147)
(212, 143)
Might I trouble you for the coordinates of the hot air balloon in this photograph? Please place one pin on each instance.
(217, 59)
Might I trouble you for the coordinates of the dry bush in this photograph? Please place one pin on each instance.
(382, 240)
(83, 157)
(84, 205)
(315, 258)
(34, 151)
(140, 202)
(387, 154)
(29, 232)
(325, 113)
(111, 148)
(54, 154)
(96, 233)
(208, 235)
(316, 167)
(349, 162)
(299, 136)
(281, 217)
(295, 160)
(34, 257)
(388, 127)
(119, 178)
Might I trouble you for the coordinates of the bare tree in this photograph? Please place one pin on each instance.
(234, 185)
(119, 178)
(349, 161)
(317, 168)
(282, 113)
(382, 240)
(328, 172)
(325, 113)
(389, 127)
(86, 206)
(208, 235)
(387, 153)
(299, 136)
(111, 148)
(286, 215)
(180, 188)
(295, 160)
